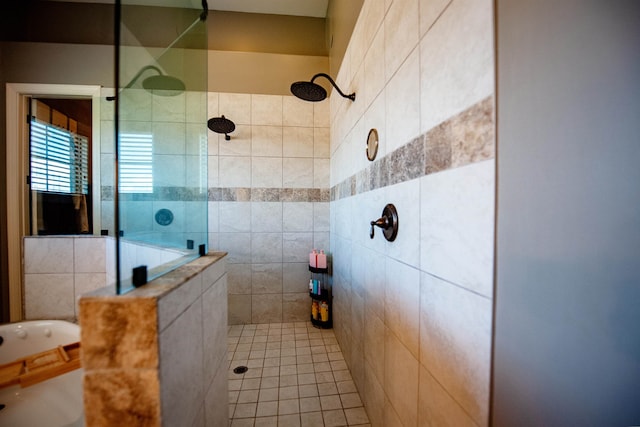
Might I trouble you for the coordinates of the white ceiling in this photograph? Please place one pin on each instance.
(315, 8)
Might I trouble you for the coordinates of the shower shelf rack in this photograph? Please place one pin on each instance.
(322, 275)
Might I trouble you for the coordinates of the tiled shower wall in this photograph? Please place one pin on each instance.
(413, 316)
(269, 201)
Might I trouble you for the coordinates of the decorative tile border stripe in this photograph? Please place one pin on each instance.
(463, 139)
(179, 194)
(245, 194)
(223, 194)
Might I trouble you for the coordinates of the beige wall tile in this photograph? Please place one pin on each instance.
(401, 33)
(266, 110)
(401, 379)
(49, 296)
(402, 304)
(266, 172)
(266, 308)
(298, 141)
(437, 408)
(48, 255)
(455, 333)
(296, 112)
(266, 141)
(235, 107)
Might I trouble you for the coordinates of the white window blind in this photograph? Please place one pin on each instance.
(59, 159)
(136, 163)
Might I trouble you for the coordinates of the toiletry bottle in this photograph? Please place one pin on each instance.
(314, 310)
(324, 311)
(313, 262)
(322, 260)
(311, 285)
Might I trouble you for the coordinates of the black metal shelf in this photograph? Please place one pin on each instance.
(318, 270)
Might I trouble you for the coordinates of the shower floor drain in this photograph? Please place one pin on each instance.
(240, 370)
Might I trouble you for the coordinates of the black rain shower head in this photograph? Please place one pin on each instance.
(164, 85)
(221, 125)
(161, 84)
(310, 91)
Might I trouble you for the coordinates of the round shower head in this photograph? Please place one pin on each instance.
(164, 85)
(308, 91)
(221, 125)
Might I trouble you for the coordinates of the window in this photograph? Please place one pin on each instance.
(59, 159)
(136, 163)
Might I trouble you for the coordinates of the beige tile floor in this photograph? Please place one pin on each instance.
(297, 377)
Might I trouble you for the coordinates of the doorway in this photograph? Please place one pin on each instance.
(60, 166)
(18, 97)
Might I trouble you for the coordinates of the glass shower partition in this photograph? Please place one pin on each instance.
(161, 156)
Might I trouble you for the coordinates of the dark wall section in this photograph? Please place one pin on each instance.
(567, 315)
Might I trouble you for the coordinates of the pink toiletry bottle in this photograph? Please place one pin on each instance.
(313, 261)
(322, 260)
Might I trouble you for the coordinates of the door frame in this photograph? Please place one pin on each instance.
(17, 167)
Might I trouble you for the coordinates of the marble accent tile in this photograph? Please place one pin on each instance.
(266, 308)
(49, 296)
(457, 232)
(401, 33)
(456, 61)
(401, 379)
(266, 110)
(296, 246)
(407, 163)
(294, 194)
(296, 112)
(234, 171)
(234, 216)
(239, 279)
(266, 247)
(266, 217)
(436, 407)
(265, 194)
(267, 141)
(455, 331)
(472, 134)
(295, 277)
(133, 344)
(402, 304)
(240, 144)
(437, 149)
(48, 255)
(298, 141)
(132, 397)
(266, 279)
(298, 216)
(266, 172)
(236, 107)
(295, 307)
(181, 372)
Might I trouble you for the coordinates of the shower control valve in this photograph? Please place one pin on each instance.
(388, 222)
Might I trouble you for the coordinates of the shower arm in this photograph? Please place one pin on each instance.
(328, 77)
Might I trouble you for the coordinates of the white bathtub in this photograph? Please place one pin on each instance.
(53, 403)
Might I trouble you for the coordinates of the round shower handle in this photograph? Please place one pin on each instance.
(388, 222)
